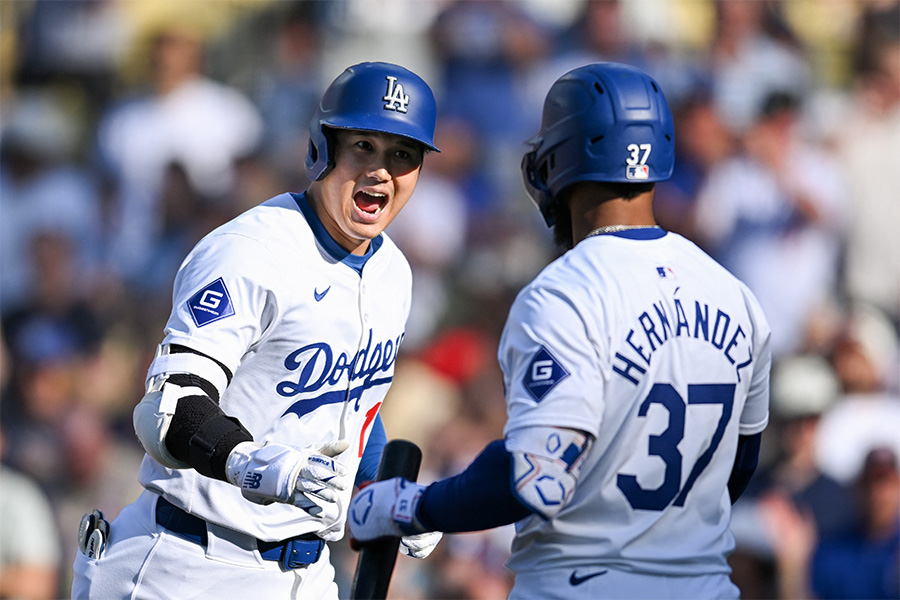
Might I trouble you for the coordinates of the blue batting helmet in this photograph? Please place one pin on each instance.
(372, 96)
(601, 122)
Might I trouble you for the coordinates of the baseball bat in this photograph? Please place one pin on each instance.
(401, 458)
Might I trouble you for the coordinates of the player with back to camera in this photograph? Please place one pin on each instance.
(262, 404)
(636, 372)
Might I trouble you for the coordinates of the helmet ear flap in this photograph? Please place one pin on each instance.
(319, 154)
(316, 160)
(536, 184)
(531, 179)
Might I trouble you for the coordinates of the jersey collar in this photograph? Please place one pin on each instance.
(650, 233)
(354, 261)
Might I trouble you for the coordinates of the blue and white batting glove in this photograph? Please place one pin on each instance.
(309, 478)
(420, 545)
(388, 509)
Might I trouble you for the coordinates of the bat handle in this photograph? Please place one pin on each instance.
(376, 561)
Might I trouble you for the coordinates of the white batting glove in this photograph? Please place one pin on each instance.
(420, 545)
(309, 478)
(388, 509)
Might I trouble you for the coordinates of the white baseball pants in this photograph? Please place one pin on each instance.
(144, 560)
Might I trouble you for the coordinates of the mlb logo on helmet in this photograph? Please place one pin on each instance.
(637, 172)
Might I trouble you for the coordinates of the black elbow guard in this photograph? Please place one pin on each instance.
(203, 436)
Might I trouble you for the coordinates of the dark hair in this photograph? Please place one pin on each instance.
(779, 102)
(562, 224)
(628, 190)
(562, 216)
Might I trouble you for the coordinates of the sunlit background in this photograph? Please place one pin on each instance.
(130, 128)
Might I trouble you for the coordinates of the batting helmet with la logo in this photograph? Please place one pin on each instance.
(372, 96)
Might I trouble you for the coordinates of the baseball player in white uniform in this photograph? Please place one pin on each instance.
(636, 373)
(262, 404)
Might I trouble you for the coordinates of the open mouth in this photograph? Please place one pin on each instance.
(370, 202)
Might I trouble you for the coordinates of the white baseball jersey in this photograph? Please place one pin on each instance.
(310, 340)
(642, 340)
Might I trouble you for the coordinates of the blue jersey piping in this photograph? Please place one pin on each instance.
(354, 261)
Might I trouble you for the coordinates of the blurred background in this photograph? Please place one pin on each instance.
(130, 128)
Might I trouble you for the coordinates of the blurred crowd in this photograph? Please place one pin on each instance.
(130, 128)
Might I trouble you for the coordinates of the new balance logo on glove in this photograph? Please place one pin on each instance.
(252, 481)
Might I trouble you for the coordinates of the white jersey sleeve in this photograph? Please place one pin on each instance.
(755, 415)
(546, 348)
(215, 284)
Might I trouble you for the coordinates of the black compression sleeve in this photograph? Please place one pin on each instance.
(213, 442)
(745, 462)
(200, 433)
(202, 436)
(481, 497)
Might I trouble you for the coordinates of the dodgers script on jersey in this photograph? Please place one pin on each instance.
(248, 295)
(665, 372)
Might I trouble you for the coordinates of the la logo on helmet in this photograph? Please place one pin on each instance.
(395, 98)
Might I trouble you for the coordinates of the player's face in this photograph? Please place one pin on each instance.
(372, 180)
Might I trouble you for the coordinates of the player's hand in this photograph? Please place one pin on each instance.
(387, 509)
(309, 478)
(420, 545)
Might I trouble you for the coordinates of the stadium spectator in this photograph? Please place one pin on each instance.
(774, 216)
(867, 144)
(29, 544)
(863, 563)
(754, 53)
(186, 118)
(867, 414)
(803, 388)
(43, 188)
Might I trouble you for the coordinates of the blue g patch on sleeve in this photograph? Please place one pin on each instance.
(543, 374)
(211, 303)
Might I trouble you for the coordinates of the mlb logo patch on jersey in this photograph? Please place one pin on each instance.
(665, 272)
(211, 303)
(544, 373)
